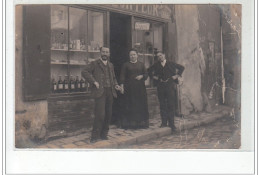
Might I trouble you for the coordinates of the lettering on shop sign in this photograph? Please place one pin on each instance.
(162, 11)
(142, 26)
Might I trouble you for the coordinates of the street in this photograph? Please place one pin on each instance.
(215, 130)
(222, 134)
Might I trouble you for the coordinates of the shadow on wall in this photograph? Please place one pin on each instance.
(192, 97)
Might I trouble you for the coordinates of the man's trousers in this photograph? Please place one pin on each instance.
(103, 113)
(166, 96)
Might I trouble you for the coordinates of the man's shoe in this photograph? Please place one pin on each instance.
(94, 140)
(179, 116)
(174, 130)
(163, 126)
(104, 138)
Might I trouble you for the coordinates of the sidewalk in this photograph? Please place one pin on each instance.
(120, 138)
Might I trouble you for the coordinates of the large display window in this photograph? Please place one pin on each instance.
(76, 36)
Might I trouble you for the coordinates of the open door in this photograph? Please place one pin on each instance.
(120, 44)
(120, 40)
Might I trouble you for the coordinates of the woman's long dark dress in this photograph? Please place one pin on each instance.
(136, 108)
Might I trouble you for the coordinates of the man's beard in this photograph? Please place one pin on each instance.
(104, 57)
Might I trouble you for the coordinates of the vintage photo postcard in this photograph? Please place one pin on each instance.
(133, 76)
(128, 76)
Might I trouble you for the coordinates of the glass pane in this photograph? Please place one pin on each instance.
(95, 34)
(158, 37)
(139, 41)
(77, 46)
(59, 45)
(148, 40)
(148, 52)
(143, 42)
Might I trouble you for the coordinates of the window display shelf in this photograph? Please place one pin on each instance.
(64, 50)
(78, 50)
(59, 63)
(59, 49)
(94, 51)
(78, 64)
(92, 59)
(65, 63)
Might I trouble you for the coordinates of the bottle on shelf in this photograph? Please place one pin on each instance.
(71, 45)
(66, 84)
(82, 85)
(81, 44)
(72, 84)
(60, 85)
(77, 84)
(53, 86)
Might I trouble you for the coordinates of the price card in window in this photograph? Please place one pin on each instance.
(142, 26)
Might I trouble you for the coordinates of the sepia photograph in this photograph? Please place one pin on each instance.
(133, 87)
(133, 76)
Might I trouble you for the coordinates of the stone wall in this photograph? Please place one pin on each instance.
(231, 27)
(210, 36)
(195, 29)
(30, 117)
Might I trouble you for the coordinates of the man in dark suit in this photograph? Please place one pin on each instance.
(166, 74)
(101, 77)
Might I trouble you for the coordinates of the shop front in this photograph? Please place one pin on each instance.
(59, 40)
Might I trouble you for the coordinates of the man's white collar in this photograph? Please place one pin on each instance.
(105, 62)
(133, 61)
(163, 63)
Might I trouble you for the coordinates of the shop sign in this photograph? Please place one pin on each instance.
(162, 11)
(142, 26)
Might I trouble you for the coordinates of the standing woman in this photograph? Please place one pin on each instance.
(132, 77)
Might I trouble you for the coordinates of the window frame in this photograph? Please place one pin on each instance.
(105, 43)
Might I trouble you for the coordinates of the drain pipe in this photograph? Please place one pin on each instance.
(222, 66)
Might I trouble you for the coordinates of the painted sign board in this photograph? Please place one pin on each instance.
(156, 10)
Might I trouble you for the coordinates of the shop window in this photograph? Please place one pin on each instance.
(148, 39)
(76, 36)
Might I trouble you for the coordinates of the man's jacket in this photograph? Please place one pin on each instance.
(95, 71)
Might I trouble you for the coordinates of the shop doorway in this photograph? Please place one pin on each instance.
(120, 40)
(120, 44)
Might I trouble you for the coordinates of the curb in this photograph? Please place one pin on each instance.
(157, 133)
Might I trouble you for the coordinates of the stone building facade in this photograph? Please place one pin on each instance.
(191, 36)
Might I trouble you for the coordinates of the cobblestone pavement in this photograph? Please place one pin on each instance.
(222, 134)
(120, 138)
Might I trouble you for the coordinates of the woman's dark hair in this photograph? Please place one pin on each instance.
(133, 49)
